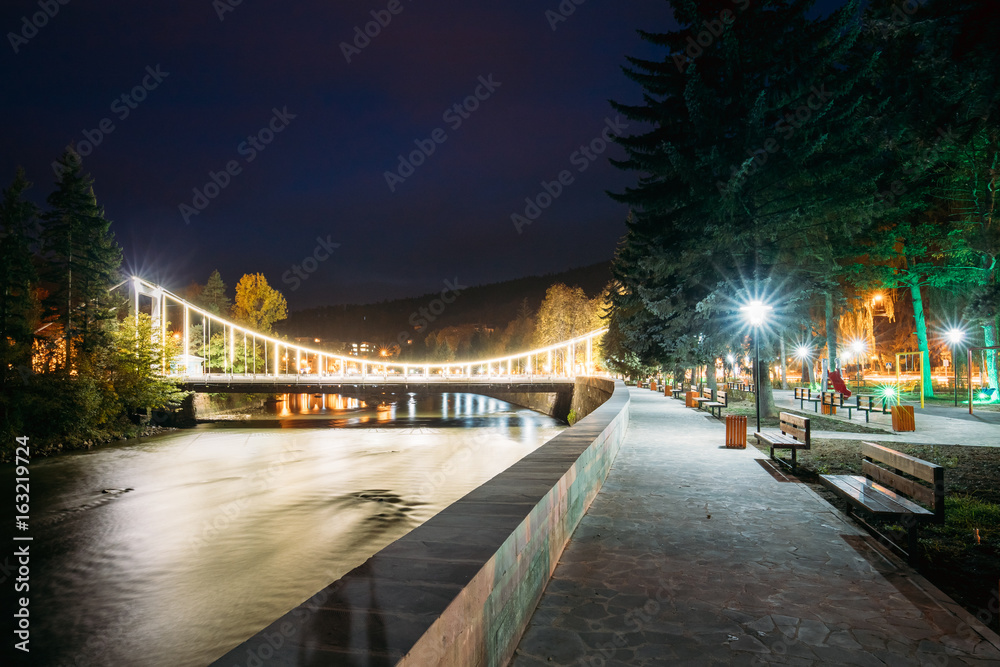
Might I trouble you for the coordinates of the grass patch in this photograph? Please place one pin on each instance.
(952, 559)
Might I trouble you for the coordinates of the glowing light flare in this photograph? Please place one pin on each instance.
(955, 335)
(756, 311)
(803, 352)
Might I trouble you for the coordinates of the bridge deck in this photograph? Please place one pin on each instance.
(333, 384)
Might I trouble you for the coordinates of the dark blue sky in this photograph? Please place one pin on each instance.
(324, 174)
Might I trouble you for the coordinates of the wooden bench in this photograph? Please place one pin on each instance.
(706, 397)
(794, 435)
(720, 402)
(867, 405)
(678, 391)
(803, 394)
(884, 492)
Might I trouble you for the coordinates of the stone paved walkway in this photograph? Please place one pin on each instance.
(695, 554)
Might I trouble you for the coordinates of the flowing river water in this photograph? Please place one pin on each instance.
(174, 549)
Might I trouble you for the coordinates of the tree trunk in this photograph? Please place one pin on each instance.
(710, 373)
(918, 315)
(784, 364)
(831, 333)
(990, 338)
(807, 364)
(767, 408)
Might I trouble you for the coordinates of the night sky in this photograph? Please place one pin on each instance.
(211, 84)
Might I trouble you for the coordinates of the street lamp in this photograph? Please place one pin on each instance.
(804, 354)
(755, 312)
(858, 347)
(955, 336)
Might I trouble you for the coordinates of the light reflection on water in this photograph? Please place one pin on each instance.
(173, 550)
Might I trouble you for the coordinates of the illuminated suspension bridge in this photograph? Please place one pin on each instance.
(249, 360)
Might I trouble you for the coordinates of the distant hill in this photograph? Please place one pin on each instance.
(493, 306)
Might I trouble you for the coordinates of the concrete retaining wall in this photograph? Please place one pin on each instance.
(459, 589)
(588, 393)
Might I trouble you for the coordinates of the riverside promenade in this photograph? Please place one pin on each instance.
(693, 554)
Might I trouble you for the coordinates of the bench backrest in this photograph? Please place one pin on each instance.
(707, 394)
(795, 426)
(930, 494)
(720, 397)
(870, 403)
(833, 398)
(803, 392)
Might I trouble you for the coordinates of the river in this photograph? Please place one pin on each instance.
(174, 549)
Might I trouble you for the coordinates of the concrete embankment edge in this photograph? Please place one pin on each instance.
(461, 588)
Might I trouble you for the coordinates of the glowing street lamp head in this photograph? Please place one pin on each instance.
(955, 336)
(858, 347)
(731, 359)
(877, 298)
(756, 311)
(803, 352)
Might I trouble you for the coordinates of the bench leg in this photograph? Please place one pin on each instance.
(794, 452)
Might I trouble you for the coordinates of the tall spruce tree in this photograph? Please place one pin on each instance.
(83, 261)
(213, 297)
(19, 220)
(758, 145)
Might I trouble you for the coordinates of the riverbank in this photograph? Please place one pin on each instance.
(40, 448)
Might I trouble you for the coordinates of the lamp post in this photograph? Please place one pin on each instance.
(955, 336)
(804, 354)
(858, 347)
(755, 312)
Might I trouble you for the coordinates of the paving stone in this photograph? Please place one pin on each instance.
(547, 642)
(776, 574)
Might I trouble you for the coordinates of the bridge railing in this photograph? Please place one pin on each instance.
(279, 355)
